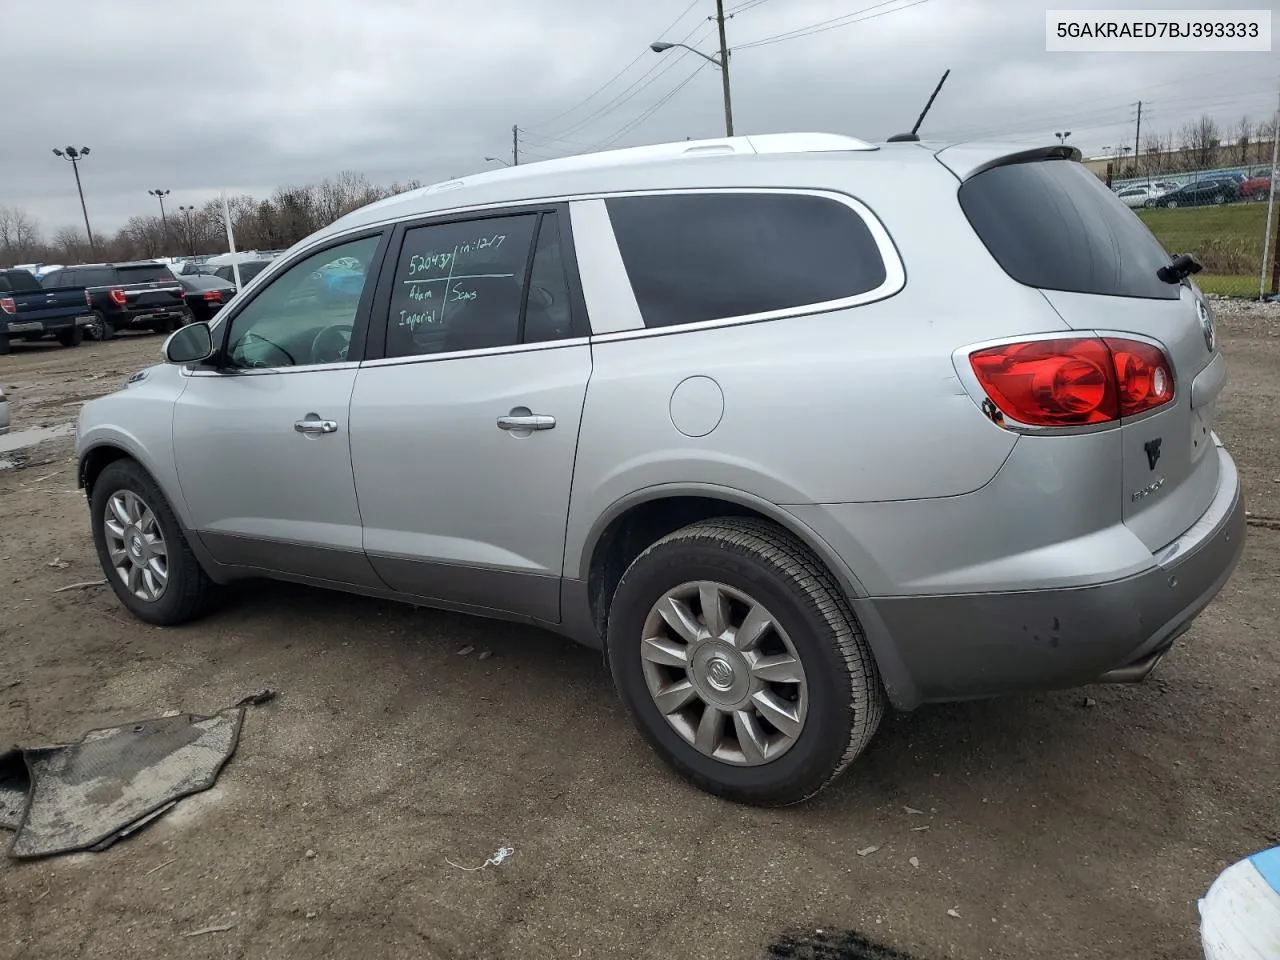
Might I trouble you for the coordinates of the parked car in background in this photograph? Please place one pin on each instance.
(248, 270)
(205, 295)
(142, 295)
(1137, 196)
(31, 311)
(1256, 188)
(625, 416)
(1198, 193)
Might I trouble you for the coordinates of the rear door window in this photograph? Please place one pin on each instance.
(713, 256)
(101, 277)
(1054, 225)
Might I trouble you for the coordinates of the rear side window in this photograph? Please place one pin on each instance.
(1055, 226)
(147, 273)
(102, 277)
(58, 278)
(712, 256)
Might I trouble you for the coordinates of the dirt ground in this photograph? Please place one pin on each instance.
(1057, 827)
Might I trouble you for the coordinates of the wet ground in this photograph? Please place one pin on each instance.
(1081, 824)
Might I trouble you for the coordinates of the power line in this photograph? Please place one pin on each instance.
(654, 72)
(832, 24)
(600, 89)
(742, 8)
(652, 110)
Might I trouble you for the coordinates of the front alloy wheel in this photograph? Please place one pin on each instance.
(136, 545)
(724, 673)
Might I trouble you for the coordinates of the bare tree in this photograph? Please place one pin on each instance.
(19, 236)
(1266, 134)
(1201, 139)
(70, 246)
(1242, 132)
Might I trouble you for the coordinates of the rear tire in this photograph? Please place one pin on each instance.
(143, 544)
(73, 337)
(4, 344)
(100, 329)
(808, 667)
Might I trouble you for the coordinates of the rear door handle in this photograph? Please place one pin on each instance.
(532, 421)
(313, 424)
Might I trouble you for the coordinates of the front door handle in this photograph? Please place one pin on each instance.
(313, 424)
(532, 421)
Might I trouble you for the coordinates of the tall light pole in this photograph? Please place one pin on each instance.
(661, 46)
(1062, 137)
(75, 156)
(160, 195)
(187, 214)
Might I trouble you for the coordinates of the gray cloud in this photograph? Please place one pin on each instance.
(245, 96)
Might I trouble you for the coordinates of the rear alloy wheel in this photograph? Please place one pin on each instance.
(1171, 204)
(72, 337)
(742, 663)
(142, 549)
(99, 329)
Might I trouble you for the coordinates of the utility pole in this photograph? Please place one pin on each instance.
(1137, 135)
(724, 70)
(515, 145)
(1267, 251)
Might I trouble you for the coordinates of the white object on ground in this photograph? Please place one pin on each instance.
(494, 861)
(1240, 914)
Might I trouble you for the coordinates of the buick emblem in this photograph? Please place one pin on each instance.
(1206, 324)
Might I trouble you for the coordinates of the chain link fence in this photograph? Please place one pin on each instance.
(1225, 217)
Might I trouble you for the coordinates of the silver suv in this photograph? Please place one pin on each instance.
(790, 427)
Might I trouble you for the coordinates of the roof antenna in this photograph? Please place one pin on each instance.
(912, 137)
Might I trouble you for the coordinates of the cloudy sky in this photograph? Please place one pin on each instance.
(245, 96)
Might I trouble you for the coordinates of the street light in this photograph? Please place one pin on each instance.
(722, 61)
(1062, 137)
(160, 195)
(187, 214)
(498, 160)
(75, 156)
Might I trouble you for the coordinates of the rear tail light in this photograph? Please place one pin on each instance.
(213, 295)
(117, 297)
(1075, 381)
(8, 305)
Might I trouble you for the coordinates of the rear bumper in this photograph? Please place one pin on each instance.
(46, 326)
(961, 646)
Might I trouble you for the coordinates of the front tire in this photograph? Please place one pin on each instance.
(143, 551)
(72, 337)
(742, 663)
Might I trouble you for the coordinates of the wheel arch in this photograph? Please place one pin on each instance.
(635, 522)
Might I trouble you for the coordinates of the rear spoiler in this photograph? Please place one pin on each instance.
(967, 160)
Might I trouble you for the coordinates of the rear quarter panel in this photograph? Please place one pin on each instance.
(860, 405)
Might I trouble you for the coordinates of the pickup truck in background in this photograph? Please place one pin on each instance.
(30, 310)
(144, 295)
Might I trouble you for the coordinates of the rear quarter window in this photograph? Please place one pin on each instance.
(714, 256)
(1054, 225)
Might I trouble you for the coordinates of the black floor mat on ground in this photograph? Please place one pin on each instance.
(14, 784)
(87, 795)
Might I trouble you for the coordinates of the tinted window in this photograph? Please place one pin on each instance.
(101, 277)
(58, 278)
(18, 281)
(144, 273)
(701, 257)
(547, 312)
(305, 315)
(1056, 226)
(459, 286)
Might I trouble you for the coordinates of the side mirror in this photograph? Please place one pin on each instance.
(189, 344)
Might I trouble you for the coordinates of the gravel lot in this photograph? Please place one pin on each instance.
(1057, 826)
